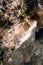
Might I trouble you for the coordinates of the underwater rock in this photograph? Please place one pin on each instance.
(21, 43)
(17, 31)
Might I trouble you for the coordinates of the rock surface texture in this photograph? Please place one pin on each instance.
(20, 45)
(18, 24)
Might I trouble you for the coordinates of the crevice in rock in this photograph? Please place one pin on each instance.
(39, 34)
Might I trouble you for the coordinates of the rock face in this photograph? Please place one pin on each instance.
(19, 44)
(25, 50)
(16, 35)
(17, 31)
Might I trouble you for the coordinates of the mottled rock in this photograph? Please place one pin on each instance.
(24, 51)
(17, 32)
(21, 40)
